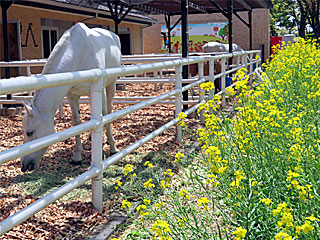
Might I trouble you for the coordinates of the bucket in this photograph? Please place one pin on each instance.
(228, 82)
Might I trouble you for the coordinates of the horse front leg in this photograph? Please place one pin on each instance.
(74, 103)
(106, 109)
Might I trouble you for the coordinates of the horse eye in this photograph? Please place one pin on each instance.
(29, 133)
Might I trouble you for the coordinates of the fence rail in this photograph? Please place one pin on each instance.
(96, 77)
(130, 59)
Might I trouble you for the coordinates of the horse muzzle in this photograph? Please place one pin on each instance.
(28, 165)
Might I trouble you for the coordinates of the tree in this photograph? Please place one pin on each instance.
(313, 13)
(294, 16)
(290, 15)
(224, 31)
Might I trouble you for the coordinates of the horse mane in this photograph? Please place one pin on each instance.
(54, 56)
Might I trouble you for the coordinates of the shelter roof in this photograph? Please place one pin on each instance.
(84, 7)
(172, 7)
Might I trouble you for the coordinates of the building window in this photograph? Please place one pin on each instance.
(49, 40)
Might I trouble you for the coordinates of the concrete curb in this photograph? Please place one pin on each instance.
(105, 231)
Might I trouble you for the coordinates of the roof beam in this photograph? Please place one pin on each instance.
(197, 7)
(241, 19)
(244, 4)
(217, 6)
(148, 9)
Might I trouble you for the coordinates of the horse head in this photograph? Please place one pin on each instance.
(35, 125)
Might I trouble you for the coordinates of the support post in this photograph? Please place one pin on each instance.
(230, 12)
(201, 92)
(96, 145)
(4, 7)
(116, 19)
(178, 101)
(250, 28)
(184, 39)
(168, 21)
(223, 82)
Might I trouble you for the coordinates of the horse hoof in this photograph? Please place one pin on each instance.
(76, 163)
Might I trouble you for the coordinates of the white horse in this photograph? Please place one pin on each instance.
(80, 48)
(220, 47)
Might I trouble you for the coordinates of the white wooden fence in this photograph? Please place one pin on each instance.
(95, 125)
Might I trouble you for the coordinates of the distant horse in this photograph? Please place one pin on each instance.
(194, 70)
(80, 48)
(220, 47)
(214, 47)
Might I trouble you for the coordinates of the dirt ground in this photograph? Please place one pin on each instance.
(67, 219)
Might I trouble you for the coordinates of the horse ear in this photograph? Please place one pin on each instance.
(34, 109)
(27, 105)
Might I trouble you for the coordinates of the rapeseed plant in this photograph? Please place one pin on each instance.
(257, 174)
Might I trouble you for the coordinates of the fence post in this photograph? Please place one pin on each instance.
(246, 61)
(155, 75)
(28, 69)
(201, 92)
(243, 60)
(223, 82)
(250, 68)
(238, 61)
(61, 111)
(178, 100)
(96, 143)
(260, 59)
(211, 74)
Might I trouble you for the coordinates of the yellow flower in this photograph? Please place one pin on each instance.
(207, 86)
(230, 91)
(253, 183)
(279, 208)
(184, 194)
(221, 170)
(146, 201)
(168, 172)
(312, 218)
(159, 205)
(125, 204)
(148, 184)
(203, 202)
(161, 229)
(141, 209)
(128, 169)
(163, 184)
(307, 227)
(266, 201)
(119, 183)
(178, 156)
(240, 233)
(150, 165)
(282, 236)
(181, 221)
(181, 116)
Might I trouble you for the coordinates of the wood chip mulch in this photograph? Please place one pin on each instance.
(69, 220)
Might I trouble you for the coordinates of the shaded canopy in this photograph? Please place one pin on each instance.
(173, 7)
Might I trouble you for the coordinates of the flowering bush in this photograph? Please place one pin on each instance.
(257, 175)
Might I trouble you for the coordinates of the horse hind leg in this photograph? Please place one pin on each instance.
(77, 156)
(106, 109)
